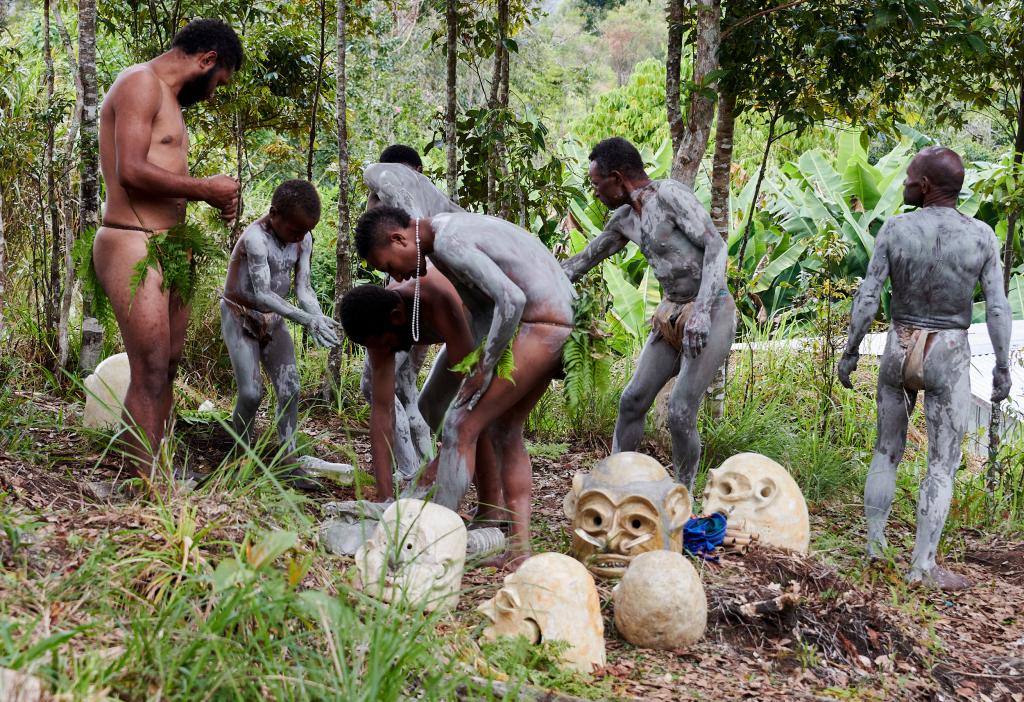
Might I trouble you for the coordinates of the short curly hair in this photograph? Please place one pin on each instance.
(296, 195)
(617, 154)
(366, 311)
(202, 35)
(400, 153)
(374, 226)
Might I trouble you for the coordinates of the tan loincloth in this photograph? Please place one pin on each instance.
(663, 324)
(259, 325)
(915, 344)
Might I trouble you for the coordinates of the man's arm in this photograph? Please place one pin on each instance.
(133, 134)
(509, 302)
(865, 304)
(323, 329)
(608, 243)
(693, 220)
(382, 418)
(998, 318)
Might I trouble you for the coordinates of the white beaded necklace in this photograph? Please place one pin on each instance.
(416, 293)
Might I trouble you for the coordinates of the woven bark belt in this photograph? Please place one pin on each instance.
(669, 320)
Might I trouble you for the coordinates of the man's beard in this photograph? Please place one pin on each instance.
(196, 89)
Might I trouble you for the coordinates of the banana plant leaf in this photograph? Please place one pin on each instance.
(1016, 297)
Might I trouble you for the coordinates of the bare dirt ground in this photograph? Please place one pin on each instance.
(850, 633)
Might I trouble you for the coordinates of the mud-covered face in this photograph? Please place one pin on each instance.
(759, 496)
(625, 507)
(417, 553)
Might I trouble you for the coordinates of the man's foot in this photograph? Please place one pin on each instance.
(489, 517)
(940, 578)
(299, 479)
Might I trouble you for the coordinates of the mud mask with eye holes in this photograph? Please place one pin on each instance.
(759, 496)
(627, 505)
(551, 597)
(417, 554)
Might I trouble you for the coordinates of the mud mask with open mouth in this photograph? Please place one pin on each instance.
(627, 505)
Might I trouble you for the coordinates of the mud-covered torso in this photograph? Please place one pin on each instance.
(461, 239)
(936, 256)
(676, 261)
(397, 185)
(281, 262)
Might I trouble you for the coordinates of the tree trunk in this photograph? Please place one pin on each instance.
(452, 20)
(343, 257)
(3, 253)
(89, 186)
(720, 189)
(694, 140)
(54, 257)
(68, 284)
(494, 103)
(995, 467)
(673, 66)
(1012, 216)
(316, 92)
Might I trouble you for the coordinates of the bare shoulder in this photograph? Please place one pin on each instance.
(380, 174)
(136, 84)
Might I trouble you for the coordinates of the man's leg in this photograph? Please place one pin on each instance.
(244, 352)
(537, 350)
(516, 471)
(946, 401)
(894, 407)
(143, 318)
(278, 357)
(694, 377)
(658, 362)
(407, 389)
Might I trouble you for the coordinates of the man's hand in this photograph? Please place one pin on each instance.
(323, 330)
(695, 333)
(222, 192)
(1000, 384)
(847, 365)
(473, 388)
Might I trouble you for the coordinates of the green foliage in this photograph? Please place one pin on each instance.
(586, 355)
(177, 254)
(540, 665)
(504, 369)
(635, 111)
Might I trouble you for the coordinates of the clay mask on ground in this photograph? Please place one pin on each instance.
(627, 505)
(104, 392)
(551, 597)
(417, 554)
(760, 497)
(660, 602)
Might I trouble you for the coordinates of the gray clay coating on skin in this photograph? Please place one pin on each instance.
(934, 257)
(259, 279)
(688, 257)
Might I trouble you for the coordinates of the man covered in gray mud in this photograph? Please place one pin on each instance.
(934, 256)
(271, 253)
(513, 287)
(381, 320)
(695, 323)
(397, 180)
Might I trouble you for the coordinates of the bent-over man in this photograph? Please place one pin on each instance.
(512, 286)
